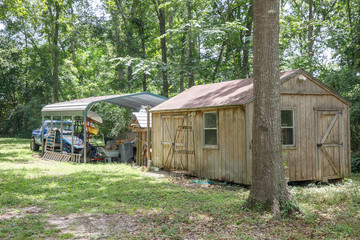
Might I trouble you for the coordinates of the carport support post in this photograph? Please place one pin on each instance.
(72, 137)
(85, 138)
(148, 138)
(42, 136)
(61, 133)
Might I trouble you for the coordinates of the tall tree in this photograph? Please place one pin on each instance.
(118, 46)
(190, 45)
(160, 13)
(268, 187)
(54, 47)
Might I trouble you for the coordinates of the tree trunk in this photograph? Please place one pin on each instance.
(245, 69)
(268, 187)
(119, 67)
(129, 41)
(171, 21)
(310, 36)
(182, 62)
(218, 61)
(349, 12)
(230, 43)
(190, 47)
(143, 48)
(163, 52)
(55, 53)
(233, 56)
(160, 12)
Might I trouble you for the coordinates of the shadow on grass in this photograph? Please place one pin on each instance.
(16, 150)
(91, 192)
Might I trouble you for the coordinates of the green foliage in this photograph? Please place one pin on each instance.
(355, 162)
(161, 207)
(116, 119)
(114, 47)
(347, 82)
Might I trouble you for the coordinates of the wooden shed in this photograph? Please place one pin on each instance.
(207, 130)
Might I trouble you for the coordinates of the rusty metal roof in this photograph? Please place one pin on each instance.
(235, 92)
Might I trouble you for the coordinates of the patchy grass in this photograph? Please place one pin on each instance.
(44, 199)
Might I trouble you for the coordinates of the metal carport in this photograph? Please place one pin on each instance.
(80, 107)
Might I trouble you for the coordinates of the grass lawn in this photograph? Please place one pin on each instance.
(52, 200)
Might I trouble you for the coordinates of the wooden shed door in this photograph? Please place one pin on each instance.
(174, 141)
(329, 144)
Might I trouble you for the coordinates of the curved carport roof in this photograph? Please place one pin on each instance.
(80, 107)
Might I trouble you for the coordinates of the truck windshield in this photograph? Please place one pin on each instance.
(66, 126)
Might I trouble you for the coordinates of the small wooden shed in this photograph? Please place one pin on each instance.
(207, 130)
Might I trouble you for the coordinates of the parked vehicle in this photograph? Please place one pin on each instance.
(37, 138)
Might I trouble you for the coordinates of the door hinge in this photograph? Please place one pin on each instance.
(340, 112)
(341, 144)
(319, 145)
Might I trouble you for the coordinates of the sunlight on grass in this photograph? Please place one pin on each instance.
(164, 207)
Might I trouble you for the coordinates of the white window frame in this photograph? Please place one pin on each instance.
(292, 127)
(216, 128)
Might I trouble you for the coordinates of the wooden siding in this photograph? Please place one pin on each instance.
(304, 160)
(300, 84)
(314, 108)
(226, 161)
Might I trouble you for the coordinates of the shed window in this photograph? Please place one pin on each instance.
(210, 128)
(287, 127)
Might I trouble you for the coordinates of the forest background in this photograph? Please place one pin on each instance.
(59, 50)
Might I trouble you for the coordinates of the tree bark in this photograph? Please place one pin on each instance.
(162, 21)
(233, 56)
(171, 21)
(143, 48)
(310, 30)
(119, 67)
(55, 53)
(163, 52)
(268, 187)
(182, 63)
(349, 12)
(218, 61)
(190, 46)
(245, 69)
(230, 44)
(129, 34)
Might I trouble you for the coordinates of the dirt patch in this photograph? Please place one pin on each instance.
(82, 226)
(95, 226)
(19, 212)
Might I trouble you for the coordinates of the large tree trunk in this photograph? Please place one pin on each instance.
(268, 186)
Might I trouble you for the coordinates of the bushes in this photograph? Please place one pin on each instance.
(355, 162)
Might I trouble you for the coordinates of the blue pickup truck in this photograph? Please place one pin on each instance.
(37, 138)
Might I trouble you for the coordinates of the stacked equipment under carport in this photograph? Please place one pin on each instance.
(79, 108)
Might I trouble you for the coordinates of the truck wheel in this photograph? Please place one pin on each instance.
(33, 145)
